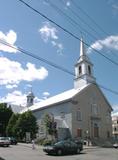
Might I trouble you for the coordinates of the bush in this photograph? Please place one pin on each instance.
(47, 142)
(44, 141)
(40, 141)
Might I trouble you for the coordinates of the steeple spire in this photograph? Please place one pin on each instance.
(83, 68)
(82, 49)
(83, 55)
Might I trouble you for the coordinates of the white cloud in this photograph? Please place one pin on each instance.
(114, 6)
(46, 95)
(16, 98)
(12, 72)
(9, 38)
(48, 32)
(11, 86)
(45, 2)
(115, 110)
(110, 42)
(68, 3)
(29, 86)
(59, 46)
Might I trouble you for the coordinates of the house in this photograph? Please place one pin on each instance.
(82, 112)
(115, 127)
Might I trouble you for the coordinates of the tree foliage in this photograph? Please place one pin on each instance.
(26, 123)
(10, 130)
(50, 125)
(5, 114)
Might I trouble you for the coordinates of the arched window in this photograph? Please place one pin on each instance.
(31, 100)
(94, 109)
(80, 70)
(79, 115)
(89, 70)
(96, 130)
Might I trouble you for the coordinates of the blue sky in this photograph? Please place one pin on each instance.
(22, 27)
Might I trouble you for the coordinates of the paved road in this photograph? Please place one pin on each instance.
(25, 152)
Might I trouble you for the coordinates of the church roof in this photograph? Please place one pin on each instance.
(62, 97)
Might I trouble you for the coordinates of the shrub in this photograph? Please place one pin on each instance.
(47, 142)
(40, 141)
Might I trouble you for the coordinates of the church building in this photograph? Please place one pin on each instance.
(82, 112)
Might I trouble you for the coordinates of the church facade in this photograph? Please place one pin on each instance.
(82, 112)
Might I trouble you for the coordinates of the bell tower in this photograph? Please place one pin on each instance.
(30, 99)
(83, 69)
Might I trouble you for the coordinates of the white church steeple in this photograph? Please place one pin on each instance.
(83, 69)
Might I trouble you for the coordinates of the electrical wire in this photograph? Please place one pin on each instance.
(70, 19)
(92, 20)
(67, 31)
(37, 57)
(80, 18)
(48, 62)
(52, 64)
(57, 9)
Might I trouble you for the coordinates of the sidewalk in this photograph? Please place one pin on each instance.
(30, 145)
(90, 147)
(41, 147)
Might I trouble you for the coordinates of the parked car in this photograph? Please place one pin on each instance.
(64, 147)
(4, 141)
(12, 140)
(115, 145)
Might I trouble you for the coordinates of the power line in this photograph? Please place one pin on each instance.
(51, 64)
(80, 18)
(92, 20)
(67, 31)
(70, 19)
(38, 58)
(85, 13)
(46, 61)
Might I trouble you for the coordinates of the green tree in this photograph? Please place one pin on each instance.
(26, 123)
(5, 114)
(50, 125)
(11, 130)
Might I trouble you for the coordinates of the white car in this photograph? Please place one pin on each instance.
(4, 141)
(115, 145)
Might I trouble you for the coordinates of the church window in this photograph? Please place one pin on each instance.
(108, 117)
(62, 115)
(89, 70)
(31, 100)
(108, 134)
(80, 70)
(96, 130)
(115, 129)
(79, 115)
(41, 127)
(79, 132)
(94, 109)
